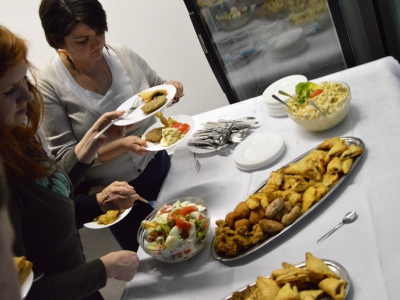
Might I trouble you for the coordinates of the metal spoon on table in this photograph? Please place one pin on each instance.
(348, 218)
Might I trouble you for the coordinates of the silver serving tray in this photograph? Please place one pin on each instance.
(334, 266)
(349, 140)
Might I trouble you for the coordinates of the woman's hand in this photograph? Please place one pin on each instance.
(179, 89)
(118, 195)
(121, 265)
(134, 144)
(87, 148)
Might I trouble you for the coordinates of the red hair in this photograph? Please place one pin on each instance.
(19, 147)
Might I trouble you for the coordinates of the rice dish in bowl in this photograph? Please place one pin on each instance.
(332, 98)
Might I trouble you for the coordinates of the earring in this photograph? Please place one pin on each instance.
(62, 51)
(108, 49)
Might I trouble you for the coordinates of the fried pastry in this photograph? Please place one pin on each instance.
(346, 165)
(334, 166)
(287, 292)
(150, 95)
(333, 287)
(351, 152)
(310, 294)
(266, 288)
(24, 268)
(109, 217)
(318, 268)
(328, 143)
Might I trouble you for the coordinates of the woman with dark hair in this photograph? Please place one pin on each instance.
(86, 78)
(42, 213)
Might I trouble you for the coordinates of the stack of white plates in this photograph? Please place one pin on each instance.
(286, 84)
(258, 150)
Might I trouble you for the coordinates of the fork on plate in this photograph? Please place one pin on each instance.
(135, 104)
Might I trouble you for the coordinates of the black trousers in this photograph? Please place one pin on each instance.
(147, 185)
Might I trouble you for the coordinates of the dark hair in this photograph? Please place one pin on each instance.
(59, 18)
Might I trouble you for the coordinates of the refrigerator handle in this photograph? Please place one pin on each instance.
(213, 58)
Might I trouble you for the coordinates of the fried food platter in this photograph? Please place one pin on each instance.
(349, 141)
(334, 266)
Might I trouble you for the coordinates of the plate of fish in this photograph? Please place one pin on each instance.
(151, 100)
(166, 133)
(286, 197)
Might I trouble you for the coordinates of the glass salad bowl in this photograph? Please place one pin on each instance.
(176, 231)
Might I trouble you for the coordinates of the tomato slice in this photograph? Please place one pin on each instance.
(182, 127)
(188, 209)
(182, 224)
(175, 213)
(315, 93)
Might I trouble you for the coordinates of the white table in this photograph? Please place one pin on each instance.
(369, 248)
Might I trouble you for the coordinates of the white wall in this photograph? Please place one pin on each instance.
(158, 30)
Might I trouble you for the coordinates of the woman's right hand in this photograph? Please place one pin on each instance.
(121, 265)
(118, 195)
(134, 144)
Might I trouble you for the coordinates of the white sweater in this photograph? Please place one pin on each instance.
(67, 118)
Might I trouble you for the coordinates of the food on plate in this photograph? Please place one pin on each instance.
(147, 96)
(330, 97)
(172, 131)
(333, 287)
(288, 193)
(154, 104)
(295, 283)
(173, 224)
(24, 268)
(109, 217)
(154, 135)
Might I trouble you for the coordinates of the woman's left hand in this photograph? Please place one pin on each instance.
(86, 149)
(179, 89)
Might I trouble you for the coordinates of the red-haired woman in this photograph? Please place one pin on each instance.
(41, 210)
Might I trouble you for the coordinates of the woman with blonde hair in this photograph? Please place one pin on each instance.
(42, 212)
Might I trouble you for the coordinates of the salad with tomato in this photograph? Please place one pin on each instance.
(181, 225)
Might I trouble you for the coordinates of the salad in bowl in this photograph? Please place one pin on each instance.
(176, 231)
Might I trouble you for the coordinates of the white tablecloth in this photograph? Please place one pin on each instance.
(369, 248)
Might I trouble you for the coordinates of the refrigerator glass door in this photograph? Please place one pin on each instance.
(261, 41)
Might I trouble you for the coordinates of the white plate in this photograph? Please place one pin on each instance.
(94, 225)
(138, 115)
(27, 285)
(198, 150)
(277, 114)
(286, 84)
(258, 150)
(181, 119)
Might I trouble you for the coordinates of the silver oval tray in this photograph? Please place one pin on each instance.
(334, 266)
(349, 140)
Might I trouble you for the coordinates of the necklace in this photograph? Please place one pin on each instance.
(86, 76)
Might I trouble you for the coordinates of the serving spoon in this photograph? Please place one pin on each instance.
(276, 98)
(316, 107)
(348, 218)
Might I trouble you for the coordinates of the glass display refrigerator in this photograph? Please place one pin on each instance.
(250, 44)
